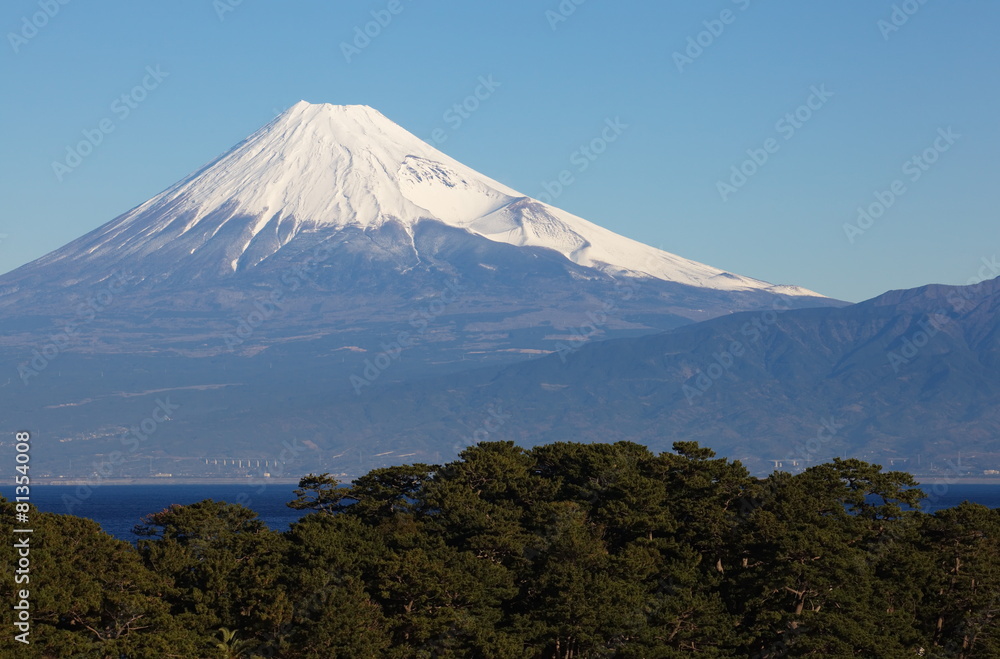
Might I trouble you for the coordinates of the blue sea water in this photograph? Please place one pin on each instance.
(118, 508)
(949, 496)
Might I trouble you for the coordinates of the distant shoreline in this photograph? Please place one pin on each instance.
(257, 482)
(252, 482)
(972, 480)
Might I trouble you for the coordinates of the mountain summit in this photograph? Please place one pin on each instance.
(329, 254)
(320, 167)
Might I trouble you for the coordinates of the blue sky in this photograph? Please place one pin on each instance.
(889, 91)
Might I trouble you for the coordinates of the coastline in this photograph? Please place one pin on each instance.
(253, 482)
(929, 480)
(971, 480)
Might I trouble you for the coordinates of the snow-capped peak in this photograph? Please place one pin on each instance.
(316, 164)
(322, 165)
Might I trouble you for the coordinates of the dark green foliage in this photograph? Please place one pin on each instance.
(91, 595)
(224, 566)
(565, 550)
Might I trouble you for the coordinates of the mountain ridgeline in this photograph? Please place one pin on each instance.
(328, 254)
(910, 378)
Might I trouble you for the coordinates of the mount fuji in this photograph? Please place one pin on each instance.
(330, 246)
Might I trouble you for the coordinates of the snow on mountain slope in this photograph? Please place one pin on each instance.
(318, 167)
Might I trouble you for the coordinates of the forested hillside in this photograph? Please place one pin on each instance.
(563, 550)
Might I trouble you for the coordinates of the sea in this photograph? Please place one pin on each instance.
(119, 508)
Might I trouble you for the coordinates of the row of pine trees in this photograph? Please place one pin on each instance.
(564, 550)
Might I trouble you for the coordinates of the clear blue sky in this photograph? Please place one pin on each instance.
(559, 81)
